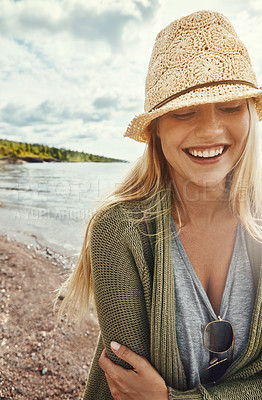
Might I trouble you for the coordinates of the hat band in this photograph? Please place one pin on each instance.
(201, 85)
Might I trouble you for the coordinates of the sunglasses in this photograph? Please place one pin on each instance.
(218, 339)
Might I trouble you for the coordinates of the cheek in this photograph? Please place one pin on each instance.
(167, 141)
(171, 153)
(170, 137)
(242, 134)
(170, 146)
(242, 128)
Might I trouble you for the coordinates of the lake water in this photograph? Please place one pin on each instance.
(51, 203)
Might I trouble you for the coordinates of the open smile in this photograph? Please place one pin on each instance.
(204, 153)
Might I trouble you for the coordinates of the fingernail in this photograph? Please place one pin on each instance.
(115, 346)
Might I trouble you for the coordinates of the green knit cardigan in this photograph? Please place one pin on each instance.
(135, 300)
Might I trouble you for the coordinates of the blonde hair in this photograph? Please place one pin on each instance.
(245, 194)
(144, 180)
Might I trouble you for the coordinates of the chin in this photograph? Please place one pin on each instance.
(210, 182)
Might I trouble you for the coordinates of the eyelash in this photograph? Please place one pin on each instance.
(183, 116)
(229, 110)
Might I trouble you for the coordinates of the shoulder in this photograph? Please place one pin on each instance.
(119, 236)
(143, 217)
(117, 213)
(122, 218)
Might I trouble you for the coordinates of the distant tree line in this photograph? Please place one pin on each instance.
(10, 148)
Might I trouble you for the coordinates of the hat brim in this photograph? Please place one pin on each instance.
(137, 129)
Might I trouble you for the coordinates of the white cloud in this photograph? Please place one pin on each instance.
(256, 5)
(57, 82)
(249, 27)
(92, 20)
(73, 71)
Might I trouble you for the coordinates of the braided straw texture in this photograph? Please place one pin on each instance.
(195, 50)
(135, 299)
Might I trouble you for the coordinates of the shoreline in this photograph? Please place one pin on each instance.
(32, 160)
(26, 160)
(41, 357)
(41, 247)
(37, 228)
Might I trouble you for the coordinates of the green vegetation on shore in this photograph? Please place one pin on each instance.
(22, 151)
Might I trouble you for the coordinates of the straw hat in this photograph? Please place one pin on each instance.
(197, 59)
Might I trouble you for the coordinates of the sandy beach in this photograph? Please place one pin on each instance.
(40, 358)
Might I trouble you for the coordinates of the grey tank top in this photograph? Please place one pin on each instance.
(194, 310)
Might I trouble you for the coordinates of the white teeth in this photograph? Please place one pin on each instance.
(207, 153)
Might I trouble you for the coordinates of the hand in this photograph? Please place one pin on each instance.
(141, 383)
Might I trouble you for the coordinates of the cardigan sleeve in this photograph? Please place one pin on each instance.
(117, 272)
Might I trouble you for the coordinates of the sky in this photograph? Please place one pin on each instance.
(72, 72)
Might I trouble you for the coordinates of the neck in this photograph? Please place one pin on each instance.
(203, 204)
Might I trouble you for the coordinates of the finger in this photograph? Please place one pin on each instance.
(109, 367)
(123, 352)
(109, 381)
(103, 360)
(111, 386)
(115, 391)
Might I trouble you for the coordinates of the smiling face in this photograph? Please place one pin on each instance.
(203, 143)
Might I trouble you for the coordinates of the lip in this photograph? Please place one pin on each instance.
(202, 160)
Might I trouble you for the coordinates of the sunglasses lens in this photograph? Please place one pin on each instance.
(214, 372)
(218, 336)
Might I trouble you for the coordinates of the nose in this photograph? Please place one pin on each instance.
(210, 123)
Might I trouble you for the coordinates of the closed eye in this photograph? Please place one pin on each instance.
(183, 116)
(231, 110)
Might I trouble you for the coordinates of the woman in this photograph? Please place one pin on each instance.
(175, 252)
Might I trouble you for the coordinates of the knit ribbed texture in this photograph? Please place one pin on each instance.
(135, 299)
(163, 332)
